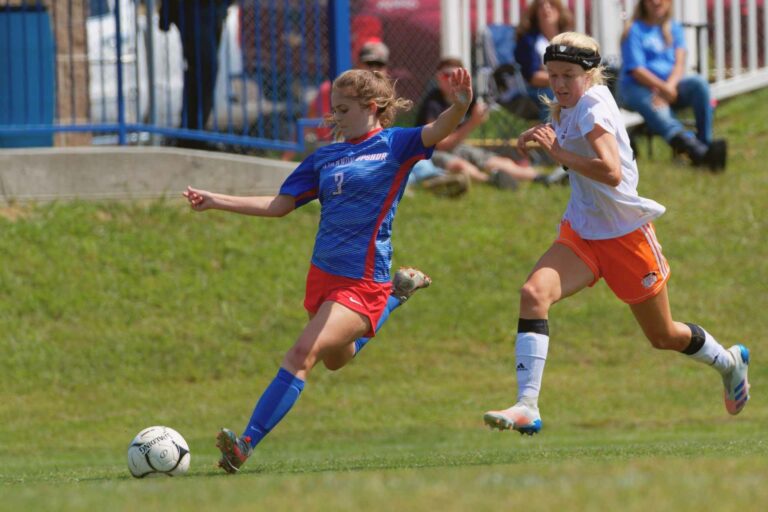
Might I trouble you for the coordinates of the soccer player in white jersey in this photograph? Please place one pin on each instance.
(359, 183)
(606, 232)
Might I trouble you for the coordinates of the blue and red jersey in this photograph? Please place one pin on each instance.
(359, 185)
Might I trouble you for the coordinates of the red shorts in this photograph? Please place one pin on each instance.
(632, 265)
(363, 296)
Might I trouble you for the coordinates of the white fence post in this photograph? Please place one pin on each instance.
(466, 34)
(752, 34)
(695, 40)
(607, 28)
(515, 8)
(481, 14)
(450, 28)
(719, 30)
(736, 37)
(456, 30)
(765, 35)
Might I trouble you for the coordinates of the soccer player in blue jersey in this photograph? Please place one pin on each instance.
(359, 183)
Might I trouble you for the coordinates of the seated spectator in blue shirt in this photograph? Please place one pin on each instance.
(653, 83)
(543, 20)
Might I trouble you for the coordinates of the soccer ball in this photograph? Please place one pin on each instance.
(158, 451)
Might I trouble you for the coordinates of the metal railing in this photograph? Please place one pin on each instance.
(232, 73)
(104, 71)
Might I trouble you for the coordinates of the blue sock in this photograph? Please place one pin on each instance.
(392, 304)
(274, 403)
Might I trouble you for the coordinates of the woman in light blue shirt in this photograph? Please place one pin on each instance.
(653, 83)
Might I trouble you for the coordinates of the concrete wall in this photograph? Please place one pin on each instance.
(131, 173)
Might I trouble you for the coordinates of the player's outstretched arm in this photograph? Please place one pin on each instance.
(460, 98)
(260, 206)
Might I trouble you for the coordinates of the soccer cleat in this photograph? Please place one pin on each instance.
(234, 450)
(502, 180)
(407, 280)
(736, 384)
(520, 417)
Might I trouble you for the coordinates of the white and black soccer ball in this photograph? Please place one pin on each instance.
(158, 451)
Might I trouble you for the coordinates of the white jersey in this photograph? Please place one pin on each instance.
(597, 211)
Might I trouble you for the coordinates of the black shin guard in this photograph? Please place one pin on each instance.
(697, 339)
(540, 326)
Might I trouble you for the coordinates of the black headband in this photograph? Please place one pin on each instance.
(587, 59)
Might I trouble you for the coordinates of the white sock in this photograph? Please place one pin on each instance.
(713, 353)
(530, 357)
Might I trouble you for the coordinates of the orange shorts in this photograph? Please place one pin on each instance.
(363, 296)
(632, 265)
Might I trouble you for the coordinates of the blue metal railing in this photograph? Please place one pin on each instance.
(264, 78)
(122, 131)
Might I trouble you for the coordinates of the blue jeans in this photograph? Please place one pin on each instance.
(692, 91)
(423, 170)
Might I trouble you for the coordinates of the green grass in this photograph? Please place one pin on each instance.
(117, 316)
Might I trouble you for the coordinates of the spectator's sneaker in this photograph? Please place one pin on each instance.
(520, 417)
(557, 177)
(447, 185)
(407, 280)
(502, 180)
(234, 450)
(735, 382)
(716, 156)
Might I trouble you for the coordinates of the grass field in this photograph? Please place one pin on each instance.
(117, 316)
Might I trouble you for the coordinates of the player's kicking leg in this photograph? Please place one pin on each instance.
(407, 281)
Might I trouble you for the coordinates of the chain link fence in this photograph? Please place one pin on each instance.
(273, 57)
(285, 59)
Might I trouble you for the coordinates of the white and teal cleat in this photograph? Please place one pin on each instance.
(521, 417)
(736, 384)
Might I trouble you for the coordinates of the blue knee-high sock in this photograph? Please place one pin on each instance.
(392, 304)
(274, 403)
